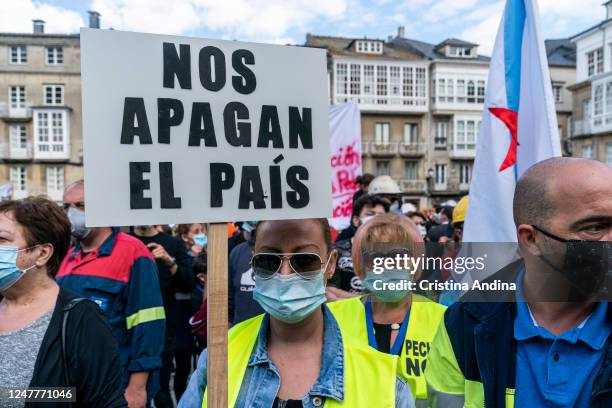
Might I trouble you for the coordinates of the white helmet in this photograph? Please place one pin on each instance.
(383, 185)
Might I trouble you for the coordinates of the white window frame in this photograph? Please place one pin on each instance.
(54, 88)
(609, 154)
(385, 165)
(19, 92)
(381, 133)
(55, 180)
(587, 151)
(18, 137)
(467, 132)
(440, 175)
(21, 54)
(18, 176)
(54, 55)
(465, 174)
(557, 92)
(411, 133)
(413, 166)
(441, 134)
(51, 139)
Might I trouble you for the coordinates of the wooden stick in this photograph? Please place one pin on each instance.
(217, 327)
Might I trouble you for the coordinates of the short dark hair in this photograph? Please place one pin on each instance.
(43, 222)
(364, 179)
(531, 203)
(327, 236)
(371, 201)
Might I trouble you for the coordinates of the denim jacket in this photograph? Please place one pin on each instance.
(261, 380)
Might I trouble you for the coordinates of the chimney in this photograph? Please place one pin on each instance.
(94, 19)
(401, 32)
(39, 26)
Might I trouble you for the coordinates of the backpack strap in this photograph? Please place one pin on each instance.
(67, 308)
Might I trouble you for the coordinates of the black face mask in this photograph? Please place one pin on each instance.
(586, 265)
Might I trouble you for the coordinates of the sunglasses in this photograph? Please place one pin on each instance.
(307, 265)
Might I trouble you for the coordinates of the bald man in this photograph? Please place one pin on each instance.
(547, 343)
(118, 272)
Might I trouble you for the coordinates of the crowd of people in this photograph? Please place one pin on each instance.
(114, 312)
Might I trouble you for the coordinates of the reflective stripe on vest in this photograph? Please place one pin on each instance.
(369, 376)
(425, 317)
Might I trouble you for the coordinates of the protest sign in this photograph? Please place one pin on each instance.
(345, 144)
(181, 130)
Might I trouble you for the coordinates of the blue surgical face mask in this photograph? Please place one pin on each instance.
(9, 272)
(200, 239)
(290, 298)
(375, 284)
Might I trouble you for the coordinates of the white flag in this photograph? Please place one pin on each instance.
(519, 124)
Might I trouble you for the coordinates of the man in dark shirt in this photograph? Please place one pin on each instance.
(345, 283)
(174, 265)
(241, 284)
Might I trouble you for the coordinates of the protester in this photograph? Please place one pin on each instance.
(458, 218)
(421, 222)
(344, 282)
(242, 234)
(295, 354)
(386, 187)
(241, 305)
(194, 236)
(175, 277)
(563, 216)
(397, 321)
(444, 228)
(363, 182)
(119, 273)
(34, 236)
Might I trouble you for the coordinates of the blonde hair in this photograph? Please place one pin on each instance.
(388, 228)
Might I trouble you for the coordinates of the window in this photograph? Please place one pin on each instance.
(17, 96)
(341, 79)
(18, 137)
(587, 152)
(372, 47)
(381, 84)
(383, 168)
(608, 97)
(382, 133)
(421, 83)
(411, 170)
(598, 100)
(466, 134)
(368, 81)
(465, 173)
(355, 79)
(440, 174)
(460, 91)
(609, 154)
(411, 133)
(440, 137)
(18, 54)
(19, 178)
(51, 131)
(556, 89)
(471, 92)
(55, 55)
(54, 94)
(442, 90)
(55, 180)
(408, 81)
(595, 62)
(395, 83)
(481, 92)
(450, 91)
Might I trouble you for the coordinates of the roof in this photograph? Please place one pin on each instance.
(430, 52)
(561, 52)
(599, 25)
(40, 35)
(342, 46)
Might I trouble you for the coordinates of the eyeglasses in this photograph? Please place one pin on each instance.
(307, 265)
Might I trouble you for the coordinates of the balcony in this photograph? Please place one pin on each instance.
(412, 149)
(9, 113)
(452, 186)
(383, 149)
(413, 186)
(11, 153)
(462, 154)
(582, 127)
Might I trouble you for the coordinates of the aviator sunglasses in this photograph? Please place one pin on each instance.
(307, 265)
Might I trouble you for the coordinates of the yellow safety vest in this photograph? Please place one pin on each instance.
(369, 376)
(425, 317)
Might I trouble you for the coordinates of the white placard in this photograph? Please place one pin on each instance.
(182, 130)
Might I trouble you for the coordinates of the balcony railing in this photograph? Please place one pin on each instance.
(413, 186)
(582, 127)
(8, 112)
(383, 149)
(456, 153)
(452, 185)
(411, 149)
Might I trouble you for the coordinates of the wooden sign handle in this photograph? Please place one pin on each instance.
(217, 327)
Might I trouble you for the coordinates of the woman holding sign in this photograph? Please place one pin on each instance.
(295, 354)
(391, 319)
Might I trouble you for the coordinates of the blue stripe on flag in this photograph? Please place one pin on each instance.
(514, 25)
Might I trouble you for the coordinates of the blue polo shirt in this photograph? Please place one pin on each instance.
(558, 371)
